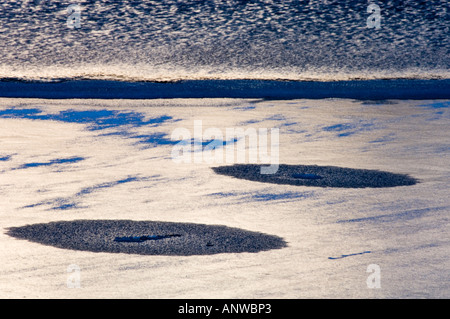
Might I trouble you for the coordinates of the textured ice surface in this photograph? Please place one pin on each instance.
(191, 39)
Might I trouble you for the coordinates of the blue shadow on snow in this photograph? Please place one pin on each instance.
(52, 162)
(95, 119)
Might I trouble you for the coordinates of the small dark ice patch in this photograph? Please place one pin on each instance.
(105, 236)
(349, 255)
(318, 176)
(306, 176)
(140, 239)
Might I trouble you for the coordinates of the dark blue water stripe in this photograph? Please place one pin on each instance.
(361, 90)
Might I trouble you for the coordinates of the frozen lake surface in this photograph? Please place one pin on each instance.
(88, 160)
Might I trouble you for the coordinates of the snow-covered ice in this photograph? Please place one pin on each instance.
(63, 160)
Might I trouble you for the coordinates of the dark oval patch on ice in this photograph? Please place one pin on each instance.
(161, 238)
(318, 176)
